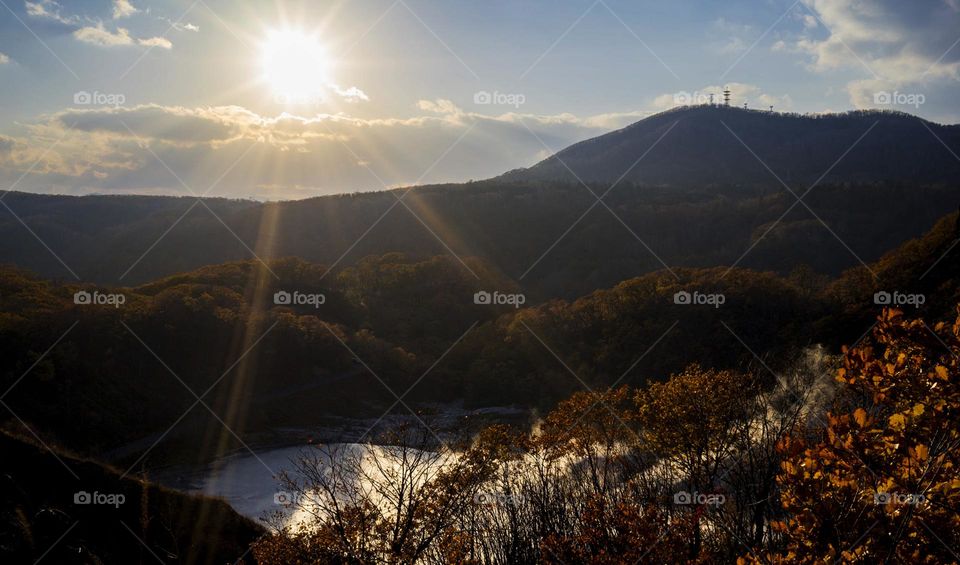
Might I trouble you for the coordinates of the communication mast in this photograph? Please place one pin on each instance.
(726, 96)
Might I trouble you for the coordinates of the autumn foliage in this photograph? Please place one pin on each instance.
(709, 466)
(879, 482)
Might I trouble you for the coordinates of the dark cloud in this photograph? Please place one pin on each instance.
(155, 122)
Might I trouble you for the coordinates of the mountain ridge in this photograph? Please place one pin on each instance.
(712, 145)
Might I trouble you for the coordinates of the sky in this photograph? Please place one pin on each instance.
(294, 99)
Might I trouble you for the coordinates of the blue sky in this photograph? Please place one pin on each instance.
(182, 98)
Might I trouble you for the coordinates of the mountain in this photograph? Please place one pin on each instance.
(552, 237)
(717, 145)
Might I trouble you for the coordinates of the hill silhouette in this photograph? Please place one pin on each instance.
(554, 239)
(717, 145)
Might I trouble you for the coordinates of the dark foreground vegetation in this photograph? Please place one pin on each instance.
(57, 508)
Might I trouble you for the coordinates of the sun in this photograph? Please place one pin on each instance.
(294, 65)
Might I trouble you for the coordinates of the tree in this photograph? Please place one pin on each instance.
(397, 502)
(880, 481)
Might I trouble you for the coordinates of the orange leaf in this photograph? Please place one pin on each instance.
(860, 415)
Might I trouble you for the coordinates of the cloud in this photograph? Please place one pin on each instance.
(736, 37)
(179, 26)
(4, 60)
(100, 36)
(94, 32)
(161, 42)
(439, 106)
(123, 9)
(289, 156)
(49, 10)
(168, 123)
(894, 44)
(351, 94)
(6, 144)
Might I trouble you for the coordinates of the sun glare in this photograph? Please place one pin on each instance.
(294, 65)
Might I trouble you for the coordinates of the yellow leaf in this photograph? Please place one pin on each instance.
(941, 372)
(897, 422)
(860, 415)
(918, 409)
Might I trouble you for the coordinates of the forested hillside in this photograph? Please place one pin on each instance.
(391, 320)
(717, 145)
(555, 238)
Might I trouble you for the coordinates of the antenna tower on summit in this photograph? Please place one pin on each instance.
(726, 96)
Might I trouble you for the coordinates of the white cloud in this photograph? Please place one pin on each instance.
(99, 35)
(102, 37)
(50, 10)
(179, 26)
(439, 106)
(93, 31)
(4, 59)
(160, 42)
(351, 94)
(893, 44)
(123, 9)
